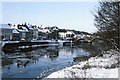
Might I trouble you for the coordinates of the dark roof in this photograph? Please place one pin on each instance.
(62, 30)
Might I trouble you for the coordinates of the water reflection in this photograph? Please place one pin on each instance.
(43, 61)
(24, 58)
(93, 49)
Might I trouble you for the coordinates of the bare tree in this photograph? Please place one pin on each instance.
(107, 21)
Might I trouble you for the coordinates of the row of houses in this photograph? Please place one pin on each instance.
(29, 32)
(20, 32)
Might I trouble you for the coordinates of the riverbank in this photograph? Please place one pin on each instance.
(104, 65)
(17, 46)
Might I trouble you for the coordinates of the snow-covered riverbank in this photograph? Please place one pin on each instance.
(101, 66)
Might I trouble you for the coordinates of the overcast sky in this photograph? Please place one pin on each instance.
(68, 15)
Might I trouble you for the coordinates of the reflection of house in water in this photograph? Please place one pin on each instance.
(23, 62)
(69, 50)
(52, 53)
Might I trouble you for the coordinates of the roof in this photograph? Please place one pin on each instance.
(70, 32)
(24, 28)
(6, 26)
(62, 30)
(30, 27)
(15, 31)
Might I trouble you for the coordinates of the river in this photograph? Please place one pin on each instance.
(41, 62)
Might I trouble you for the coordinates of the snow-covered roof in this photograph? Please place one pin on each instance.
(30, 27)
(14, 26)
(6, 26)
(24, 28)
(15, 31)
(62, 33)
(46, 30)
(70, 32)
(40, 29)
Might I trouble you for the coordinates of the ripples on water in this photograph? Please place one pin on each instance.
(41, 62)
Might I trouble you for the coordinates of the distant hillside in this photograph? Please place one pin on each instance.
(75, 31)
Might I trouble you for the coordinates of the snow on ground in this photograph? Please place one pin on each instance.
(95, 67)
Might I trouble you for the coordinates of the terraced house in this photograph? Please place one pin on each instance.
(6, 32)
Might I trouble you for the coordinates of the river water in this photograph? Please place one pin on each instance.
(41, 62)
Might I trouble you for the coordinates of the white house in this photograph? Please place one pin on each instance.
(82, 35)
(15, 34)
(42, 33)
(66, 34)
(6, 32)
(23, 32)
(34, 31)
(62, 34)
